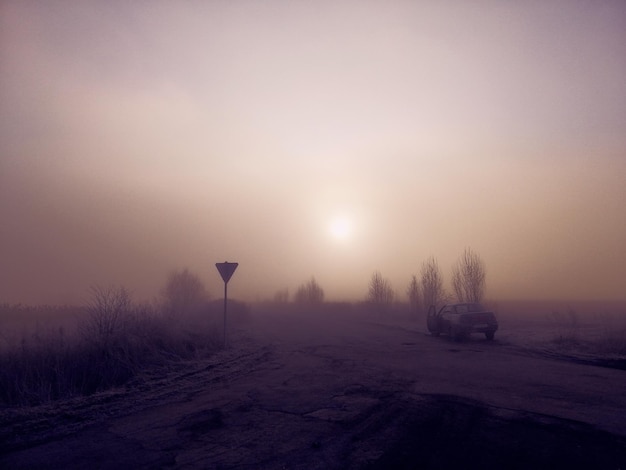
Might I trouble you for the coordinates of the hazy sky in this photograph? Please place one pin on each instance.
(141, 137)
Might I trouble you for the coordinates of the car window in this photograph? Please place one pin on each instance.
(462, 308)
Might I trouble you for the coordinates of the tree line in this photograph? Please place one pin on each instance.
(468, 284)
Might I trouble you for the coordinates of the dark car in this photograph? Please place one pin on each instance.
(460, 320)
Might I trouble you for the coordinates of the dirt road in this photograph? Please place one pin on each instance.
(296, 392)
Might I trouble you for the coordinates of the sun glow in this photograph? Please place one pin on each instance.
(340, 228)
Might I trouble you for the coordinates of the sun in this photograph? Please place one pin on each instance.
(340, 228)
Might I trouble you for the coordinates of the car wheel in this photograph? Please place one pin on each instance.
(489, 335)
(455, 334)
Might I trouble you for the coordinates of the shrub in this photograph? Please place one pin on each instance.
(184, 293)
(310, 294)
(380, 293)
(413, 291)
(115, 342)
(432, 283)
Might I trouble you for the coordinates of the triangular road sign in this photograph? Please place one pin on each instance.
(226, 270)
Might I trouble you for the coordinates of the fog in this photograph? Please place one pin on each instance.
(140, 138)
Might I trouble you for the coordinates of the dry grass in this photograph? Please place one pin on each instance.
(46, 363)
(603, 334)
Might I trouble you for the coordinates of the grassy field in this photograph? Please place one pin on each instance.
(48, 353)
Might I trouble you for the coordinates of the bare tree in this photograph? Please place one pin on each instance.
(380, 293)
(281, 296)
(309, 294)
(108, 309)
(468, 277)
(432, 283)
(413, 291)
(184, 292)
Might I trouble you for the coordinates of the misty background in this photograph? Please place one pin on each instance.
(138, 138)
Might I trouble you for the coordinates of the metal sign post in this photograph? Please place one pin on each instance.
(226, 270)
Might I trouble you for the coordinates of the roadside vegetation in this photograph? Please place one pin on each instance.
(603, 334)
(49, 353)
(309, 294)
(112, 341)
(380, 294)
